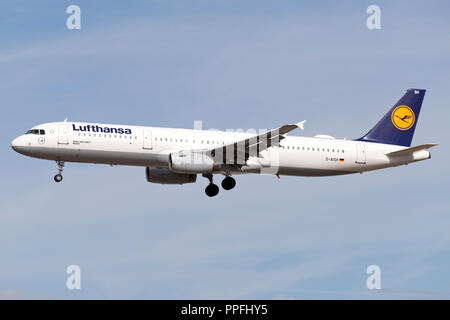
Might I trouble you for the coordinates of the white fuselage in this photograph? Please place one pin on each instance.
(151, 146)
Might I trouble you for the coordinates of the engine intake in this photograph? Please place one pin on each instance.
(165, 176)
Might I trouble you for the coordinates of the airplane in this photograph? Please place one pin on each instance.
(177, 156)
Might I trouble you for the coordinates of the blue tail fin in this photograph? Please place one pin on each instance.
(398, 125)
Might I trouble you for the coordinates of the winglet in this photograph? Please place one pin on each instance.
(301, 125)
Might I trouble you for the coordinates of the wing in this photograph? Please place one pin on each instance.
(237, 153)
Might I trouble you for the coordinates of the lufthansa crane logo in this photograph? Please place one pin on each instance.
(403, 117)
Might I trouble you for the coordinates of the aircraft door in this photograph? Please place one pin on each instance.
(360, 153)
(63, 135)
(147, 142)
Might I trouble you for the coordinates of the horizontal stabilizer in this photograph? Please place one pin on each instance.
(409, 151)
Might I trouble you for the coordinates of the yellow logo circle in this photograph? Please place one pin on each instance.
(403, 117)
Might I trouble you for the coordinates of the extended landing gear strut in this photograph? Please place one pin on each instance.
(59, 177)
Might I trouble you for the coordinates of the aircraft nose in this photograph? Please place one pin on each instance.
(14, 144)
(17, 143)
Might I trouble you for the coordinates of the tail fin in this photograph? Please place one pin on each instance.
(398, 125)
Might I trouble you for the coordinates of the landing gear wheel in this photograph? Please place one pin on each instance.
(212, 190)
(58, 178)
(228, 183)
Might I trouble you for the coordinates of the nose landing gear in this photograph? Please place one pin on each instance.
(59, 177)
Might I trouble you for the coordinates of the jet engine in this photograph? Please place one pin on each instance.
(165, 176)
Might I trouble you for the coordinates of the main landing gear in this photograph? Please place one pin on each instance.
(212, 189)
(228, 183)
(59, 177)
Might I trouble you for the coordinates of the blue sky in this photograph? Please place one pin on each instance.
(231, 64)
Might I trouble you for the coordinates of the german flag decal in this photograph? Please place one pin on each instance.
(341, 160)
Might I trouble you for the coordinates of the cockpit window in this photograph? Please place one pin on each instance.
(36, 131)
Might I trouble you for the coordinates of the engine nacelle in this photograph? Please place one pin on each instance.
(191, 162)
(165, 176)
